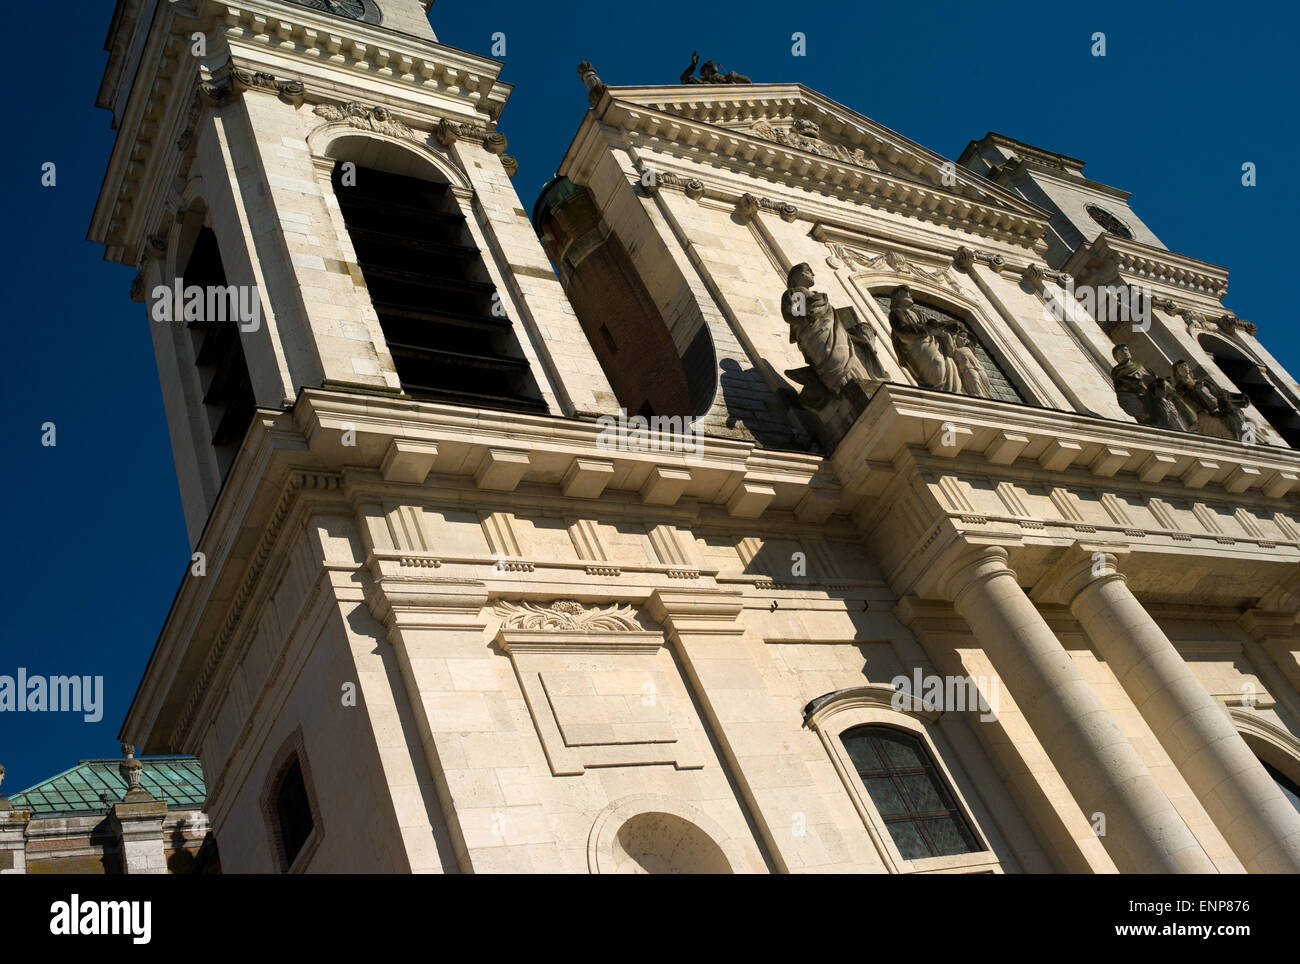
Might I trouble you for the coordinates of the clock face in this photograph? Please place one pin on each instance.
(353, 9)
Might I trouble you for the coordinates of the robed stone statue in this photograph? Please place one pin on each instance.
(924, 346)
(837, 354)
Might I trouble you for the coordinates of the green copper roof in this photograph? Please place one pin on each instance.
(178, 780)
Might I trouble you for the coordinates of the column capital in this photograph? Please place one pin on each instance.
(1084, 565)
(697, 610)
(427, 603)
(972, 565)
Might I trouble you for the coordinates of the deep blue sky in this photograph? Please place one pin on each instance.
(95, 539)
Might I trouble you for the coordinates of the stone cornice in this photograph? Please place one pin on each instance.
(900, 416)
(293, 50)
(970, 204)
(1109, 259)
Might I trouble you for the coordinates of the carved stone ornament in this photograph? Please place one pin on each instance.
(749, 205)
(377, 119)
(803, 135)
(290, 91)
(567, 615)
(710, 74)
(692, 187)
(966, 258)
(131, 767)
(890, 261)
(841, 356)
(595, 89)
(448, 132)
(1038, 276)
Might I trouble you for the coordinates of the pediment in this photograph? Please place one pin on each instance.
(796, 118)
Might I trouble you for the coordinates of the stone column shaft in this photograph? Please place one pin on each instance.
(1258, 822)
(1144, 833)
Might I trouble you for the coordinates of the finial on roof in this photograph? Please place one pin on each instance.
(133, 769)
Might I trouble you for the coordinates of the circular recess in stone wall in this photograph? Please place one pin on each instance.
(1109, 222)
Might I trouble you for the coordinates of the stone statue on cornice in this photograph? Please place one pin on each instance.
(1214, 411)
(923, 346)
(1142, 395)
(709, 73)
(838, 355)
(974, 380)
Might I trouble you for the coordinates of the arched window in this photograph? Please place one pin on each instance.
(218, 351)
(910, 794)
(291, 813)
(442, 320)
(1252, 380)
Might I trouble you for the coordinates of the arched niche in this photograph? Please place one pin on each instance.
(656, 834)
(653, 369)
(1255, 381)
(1010, 381)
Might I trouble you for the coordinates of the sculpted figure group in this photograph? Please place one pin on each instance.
(1185, 402)
(841, 352)
(938, 355)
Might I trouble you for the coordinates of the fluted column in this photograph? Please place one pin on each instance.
(1258, 822)
(1105, 774)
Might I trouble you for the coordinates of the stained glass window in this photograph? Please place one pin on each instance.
(909, 793)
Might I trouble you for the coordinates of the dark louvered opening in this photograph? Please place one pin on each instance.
(429, 288)
(219, 353)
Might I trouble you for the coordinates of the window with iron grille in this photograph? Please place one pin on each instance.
(909, 792)
(1001, 385)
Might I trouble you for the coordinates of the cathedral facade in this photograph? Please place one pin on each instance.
(778, 496)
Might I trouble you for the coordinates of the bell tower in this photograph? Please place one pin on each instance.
(315, 194)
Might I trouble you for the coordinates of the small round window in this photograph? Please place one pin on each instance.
(1108, 221)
